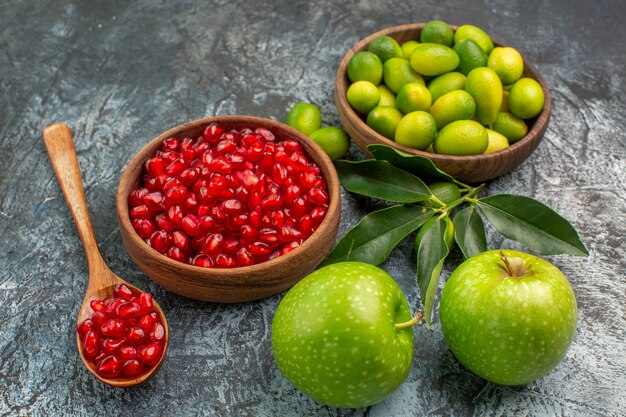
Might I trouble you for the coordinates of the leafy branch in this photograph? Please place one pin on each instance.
(402, 178)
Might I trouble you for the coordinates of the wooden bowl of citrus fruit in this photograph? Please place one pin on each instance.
(474, 106)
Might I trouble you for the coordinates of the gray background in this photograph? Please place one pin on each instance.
(119, 73)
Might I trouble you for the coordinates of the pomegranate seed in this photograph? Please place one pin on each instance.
(176, 254)
(160, 240)
(212, 132)
(244, 258)
(146, 321)
(144, 227)
(175, 215)
(292, 192)
(109, 367)
(213, 244)
(155, 166)
(151, 353)
(98, 305)
(180, 240)
(221, 165)
(110, 346)
(176, 167)
(97, 319)
(272, 202)
(317, 215)
(175, 195)
(129, 310)
(112, 328)
(230, 245)
(277, 219)
(232, 207)
(269, 236)
(140, 212)
(298, 207)
(134, 335)
(128, 352)
(259, 249)
(122, 291)
(83, 328)
(289, 234)
(154, 200)
(265, 134)
(190, 224)
(90, 344)
(248, 232)
(157, 332)
(317, 196)
(235, 223)
(292, 146)
(289, 247)
(136, 197)
(132, 367)
(112, 304)
(203, 260)
(165, 224)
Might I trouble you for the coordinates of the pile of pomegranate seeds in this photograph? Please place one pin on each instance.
(228, 198)
(124, 336)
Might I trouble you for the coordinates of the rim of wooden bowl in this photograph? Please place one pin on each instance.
(239, 276)
(514, 154)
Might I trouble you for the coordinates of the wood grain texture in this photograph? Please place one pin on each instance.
(470, 169)
(119, 72)
(101, 281)
(229, 285)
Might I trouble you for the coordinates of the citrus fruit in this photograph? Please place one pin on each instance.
(387, 97)
(448, 237)
(526, 98)
(507, 63)
(456, 105)
(476, 34)
(510, 126)
(463, 137)
(497, 141)
(363, 96)
(333, 140)
(385, 47)
(305, 117)
(445, 83)
(437, 31)
(413, 97)
(433, 59)
(416, 130)
(384, 120)
(397, 72)
(471, 56)
(365, 66)
(407, 48)
(446, 192)
(485, 86)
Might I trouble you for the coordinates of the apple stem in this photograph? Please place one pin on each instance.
(412, 322)
(507, 264)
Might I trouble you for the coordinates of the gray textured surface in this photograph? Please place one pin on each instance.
(120, 72)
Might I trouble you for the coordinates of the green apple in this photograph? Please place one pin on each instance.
(339, 335)
(508, 316)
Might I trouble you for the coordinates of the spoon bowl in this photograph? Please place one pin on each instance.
(102, 281)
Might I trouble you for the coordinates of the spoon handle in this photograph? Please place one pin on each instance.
(62, 154)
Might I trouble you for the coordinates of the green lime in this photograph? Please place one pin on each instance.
(485, 86)
(304, 117)
(437, 31)
(363, 96)
(407, 48)
(463, 137)
(397, 72)
(384, 120)
(433, 59)
(510, 126)
(413, 97)
(497, 141)
(448, 238)
(447, 192)
(416, 130)
(526, 98)
(445, 83)
(333, 140)
(385, 47)
(387, 97)
(365, 66)
(507, 63)
(456, 105)
(471, 56)
(476, 34)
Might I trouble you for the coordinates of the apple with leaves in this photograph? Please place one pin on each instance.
(343, 335)
(508, 316)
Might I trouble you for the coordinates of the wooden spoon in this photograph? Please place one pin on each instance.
(102, 280)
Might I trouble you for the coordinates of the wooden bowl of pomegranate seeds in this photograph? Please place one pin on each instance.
(229, 208)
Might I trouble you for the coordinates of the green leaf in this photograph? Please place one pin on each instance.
(431, 254)
(374, 237)
(469, 232)
(532, 223)
(382, 180)
(419, 166)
